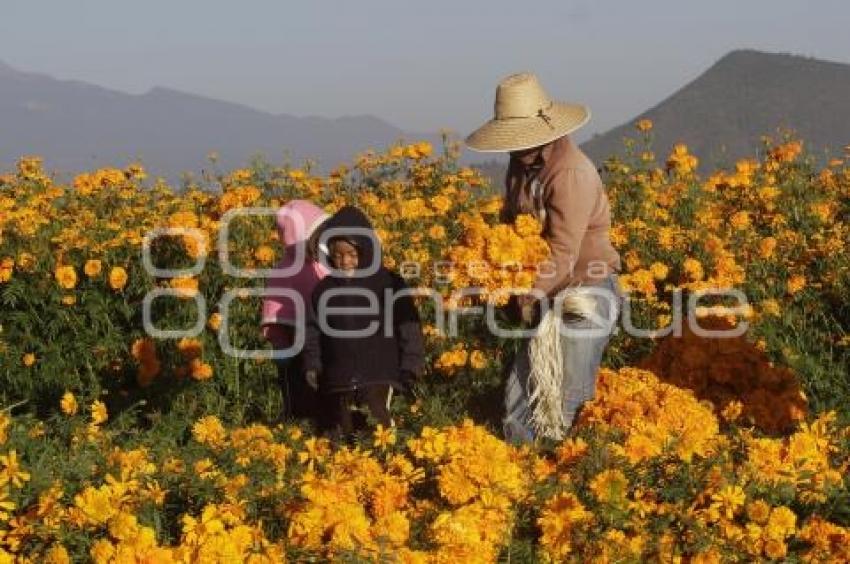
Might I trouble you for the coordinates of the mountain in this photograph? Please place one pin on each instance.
(78, 126)
(746, 94)
(721, 116)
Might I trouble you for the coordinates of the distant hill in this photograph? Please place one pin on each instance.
(78, 126)
(723, 113)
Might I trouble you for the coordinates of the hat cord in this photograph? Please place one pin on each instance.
(542, 115)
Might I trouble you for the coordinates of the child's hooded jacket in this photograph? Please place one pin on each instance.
(391, 346)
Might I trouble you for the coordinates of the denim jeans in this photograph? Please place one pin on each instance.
(582, 354)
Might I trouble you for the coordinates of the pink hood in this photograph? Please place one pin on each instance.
(295, 222)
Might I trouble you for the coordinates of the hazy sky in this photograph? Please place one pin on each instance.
(420, 65)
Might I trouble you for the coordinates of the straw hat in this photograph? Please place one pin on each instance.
(525, 117)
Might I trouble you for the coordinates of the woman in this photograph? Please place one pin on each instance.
(297, 221)
(552, 179)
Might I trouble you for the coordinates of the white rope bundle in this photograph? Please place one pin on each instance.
(546, 379)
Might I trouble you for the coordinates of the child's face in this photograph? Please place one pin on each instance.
(344, 256)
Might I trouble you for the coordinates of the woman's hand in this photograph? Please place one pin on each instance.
(525, 304)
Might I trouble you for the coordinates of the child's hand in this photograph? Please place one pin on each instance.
(312, 378)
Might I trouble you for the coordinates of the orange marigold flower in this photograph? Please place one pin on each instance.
(796, 283)
(92, 268)
(200, 370)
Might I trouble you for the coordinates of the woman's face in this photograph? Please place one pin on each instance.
(528, 156)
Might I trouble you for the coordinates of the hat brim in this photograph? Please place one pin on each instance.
(516, 134)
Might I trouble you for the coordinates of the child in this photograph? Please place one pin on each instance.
(357, 371)
(296, 222)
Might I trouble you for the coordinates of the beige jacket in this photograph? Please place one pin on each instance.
(570, 200)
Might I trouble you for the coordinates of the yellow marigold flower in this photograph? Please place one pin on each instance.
(771, 307)
(527, 226)
(154, 492)
(732, 411)
(487, 206)
(437, 232)
(28, 359)
(768, 195)
(796, 283)
(729, 500)
(441, 204)
(264, 254)
(214, 322)
(135, 170)
(209, 431)
(187, 286)
(710, 556)
(632, 260)
(30, 167)
(693, 268)
(57, 554)
(99, 414)
(93, 268)
(66, 276)
(6, 506)
(559, 517)
(384, 438)
(681, 161)
(787, 152)
(102, 551)
(610, 486)
(97, 504)
(450, 361)
(117, 278)
(775, 549)
(740, 220)
(477, 360)
(124, 526)
(822, 210)
(195, 531)
(782, 522)
(68, 404)
(659, 270)
(571, 450)
(758, 511)
(766, 247)
(5, 421)
(26, 262)
(418, 150)
(12, 472)
(644, 125)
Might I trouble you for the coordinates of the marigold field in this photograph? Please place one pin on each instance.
(116, 446)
